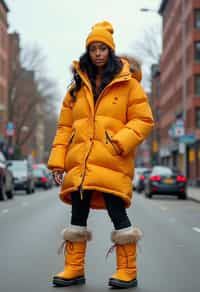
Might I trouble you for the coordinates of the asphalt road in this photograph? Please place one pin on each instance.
(168, 259)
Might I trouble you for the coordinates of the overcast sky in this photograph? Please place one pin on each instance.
(60, 27)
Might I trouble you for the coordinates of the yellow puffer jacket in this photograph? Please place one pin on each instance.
(95, 143)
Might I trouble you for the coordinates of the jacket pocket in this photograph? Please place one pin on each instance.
(113, 149)
(71, 138)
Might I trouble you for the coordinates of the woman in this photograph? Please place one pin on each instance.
(105, 115)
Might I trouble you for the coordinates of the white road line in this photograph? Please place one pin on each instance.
(172, 219)
(163, 208)
(4, 211)
(24, 204)
(196, 229)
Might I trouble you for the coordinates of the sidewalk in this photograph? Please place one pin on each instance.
(194, 193)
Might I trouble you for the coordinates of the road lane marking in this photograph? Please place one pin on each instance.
(172, 219)
(4, 211)
(25, 204)
(196, 229)
(163, 208)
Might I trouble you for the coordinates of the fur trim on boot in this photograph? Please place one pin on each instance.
(128, 236)
(75, 235)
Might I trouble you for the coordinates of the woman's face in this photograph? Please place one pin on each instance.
(99, 54)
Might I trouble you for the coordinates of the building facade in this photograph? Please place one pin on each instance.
(3, 67)
(180, 87)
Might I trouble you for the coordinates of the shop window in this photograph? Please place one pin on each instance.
(197, 117)
(197, 50)
(197, 18)
(197, 84)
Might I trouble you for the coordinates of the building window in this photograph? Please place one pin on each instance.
(197, 18)
(197, 84)
(197, 50)
(197, 117)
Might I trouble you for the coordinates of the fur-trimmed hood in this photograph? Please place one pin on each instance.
(135, 67)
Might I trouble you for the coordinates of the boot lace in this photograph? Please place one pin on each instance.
(110, 251)
(62, 247)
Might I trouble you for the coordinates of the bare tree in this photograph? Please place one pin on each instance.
(148, 50)
(28, 88)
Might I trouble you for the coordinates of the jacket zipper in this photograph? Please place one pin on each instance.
(83, 175)
(95, 108)
(71, 138)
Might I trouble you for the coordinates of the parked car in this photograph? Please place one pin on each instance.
(42, 176)
(137, 177)
(141, 180)
(23, 175)
(166, 181)
(6, 179)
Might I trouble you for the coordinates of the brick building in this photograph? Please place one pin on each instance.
(180, 85)
(3, 66)
(22, 94)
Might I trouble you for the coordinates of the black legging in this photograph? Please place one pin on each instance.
(114, 205)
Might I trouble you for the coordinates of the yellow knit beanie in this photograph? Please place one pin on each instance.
(101, 32)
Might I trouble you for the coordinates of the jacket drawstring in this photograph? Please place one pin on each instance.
(81, 194)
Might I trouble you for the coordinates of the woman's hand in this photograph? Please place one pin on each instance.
(58, 176)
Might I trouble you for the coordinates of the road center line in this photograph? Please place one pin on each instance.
(196, 229)
(163, 208)
(24, 204)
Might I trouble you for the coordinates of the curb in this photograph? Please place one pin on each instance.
(194, 199)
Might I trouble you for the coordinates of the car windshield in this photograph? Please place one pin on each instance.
(18, 166)
(140, 170)
(161, 170)
(146, 173)
(38, 172)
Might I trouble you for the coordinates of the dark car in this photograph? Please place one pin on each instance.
(166, 181)
(141, 180)
(42, 176)
(23, 175)
(6, 179)
(137, 173)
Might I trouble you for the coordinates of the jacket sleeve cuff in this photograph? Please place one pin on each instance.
(57, 158)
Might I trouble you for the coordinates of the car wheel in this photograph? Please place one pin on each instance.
(182, 197)
(10, 194)
(148, 194)
(3, 193)
(28, 191)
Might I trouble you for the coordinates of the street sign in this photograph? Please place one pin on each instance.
(187, 139)
(177, 129)
(10, 129)
(10, 126)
